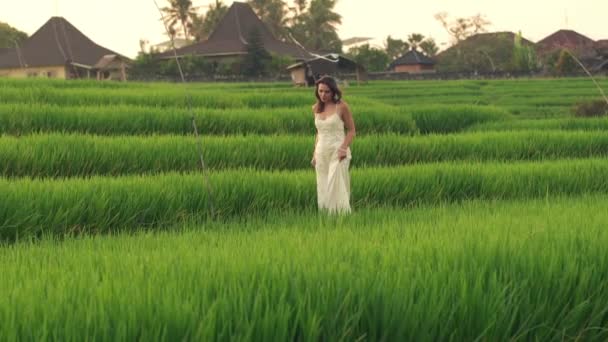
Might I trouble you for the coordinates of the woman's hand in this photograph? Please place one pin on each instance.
(342, 153)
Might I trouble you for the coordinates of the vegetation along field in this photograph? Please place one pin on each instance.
(479, 213)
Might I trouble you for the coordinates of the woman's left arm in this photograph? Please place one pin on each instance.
(349, 124)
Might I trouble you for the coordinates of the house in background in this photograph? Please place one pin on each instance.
(60, 50)
(305, 73)
(414, 62)
(228, 42)
(593, 54)
(168, 46)
(566, 39)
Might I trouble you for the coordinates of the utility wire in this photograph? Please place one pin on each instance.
(189, 105)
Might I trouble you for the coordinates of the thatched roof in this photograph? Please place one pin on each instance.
(57, 42)
(231, 34)
(564, 39)
(412, 57)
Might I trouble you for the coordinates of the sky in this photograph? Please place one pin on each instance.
(120, 24)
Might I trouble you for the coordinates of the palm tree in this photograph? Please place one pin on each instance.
(414, 40)
(429, 47)
(182, 12)
(203, 26)
(321, 25)
(274, 14)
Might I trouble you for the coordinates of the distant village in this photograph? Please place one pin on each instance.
(241, 46)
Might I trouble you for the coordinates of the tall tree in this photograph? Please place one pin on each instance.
(204, 25)
(179, 12)
(524, 56)
(395, 47)
(565, 65)
(317, 28)
(462, 28)
(299, 7)
(429, 47)
(257, 60)
(274, 13)
(10, 36)
(371, 58)
(414, 40)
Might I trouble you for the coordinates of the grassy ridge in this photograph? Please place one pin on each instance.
(565, 124)
(371, 117)
(19, 119)
(68, 155)
(101, 204)
(487, 271)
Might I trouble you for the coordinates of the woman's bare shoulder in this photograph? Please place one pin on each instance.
(343, 104)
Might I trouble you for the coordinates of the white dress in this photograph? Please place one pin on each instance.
(333, 180)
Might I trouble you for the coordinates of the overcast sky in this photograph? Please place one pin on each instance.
(120, 24)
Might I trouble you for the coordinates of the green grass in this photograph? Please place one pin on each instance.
(22, 119)
(531, 270)
(69, 155)
(100, 204)
(479, 214)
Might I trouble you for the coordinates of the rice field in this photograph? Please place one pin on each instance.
(479, 213)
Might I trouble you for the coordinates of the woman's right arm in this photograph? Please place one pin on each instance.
(313, 160)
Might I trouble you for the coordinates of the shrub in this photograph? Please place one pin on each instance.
(591, 108)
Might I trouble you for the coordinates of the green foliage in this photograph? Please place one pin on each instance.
(316, 28)
(203, 26)
(9, 36)
(145, 65)
(278, 64)
(524, 55)
(482, 236)
(444, 119)
(32, 206)
(566, 65)
(274, 14)
(429, 47)
(455, 272)
(371, 58)
(47, 155)
(179, 12)
(257, 61)
(395, 47)
(481, 53)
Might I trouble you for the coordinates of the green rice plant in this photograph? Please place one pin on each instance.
(35, 206)
(453, 118)
(116, 120)
(69, 155)
(565, 124)
(524, 270)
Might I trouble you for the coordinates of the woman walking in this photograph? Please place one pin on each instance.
(332, 155)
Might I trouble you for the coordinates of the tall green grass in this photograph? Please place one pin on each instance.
(531, 271)
(566, 124)
(68, 155)
(19, 119)
(97, 204)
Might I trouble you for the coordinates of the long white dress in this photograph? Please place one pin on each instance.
(333, 180)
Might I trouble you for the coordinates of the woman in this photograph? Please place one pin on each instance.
(331, 156)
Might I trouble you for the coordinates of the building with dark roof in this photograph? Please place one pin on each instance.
(229, 39)
(60, 50)
(307, 72)
(413, 61)
(566, 39)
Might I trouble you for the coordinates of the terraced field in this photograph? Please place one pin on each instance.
(479, 213)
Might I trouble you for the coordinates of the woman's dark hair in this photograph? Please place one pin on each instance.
(331, 84)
